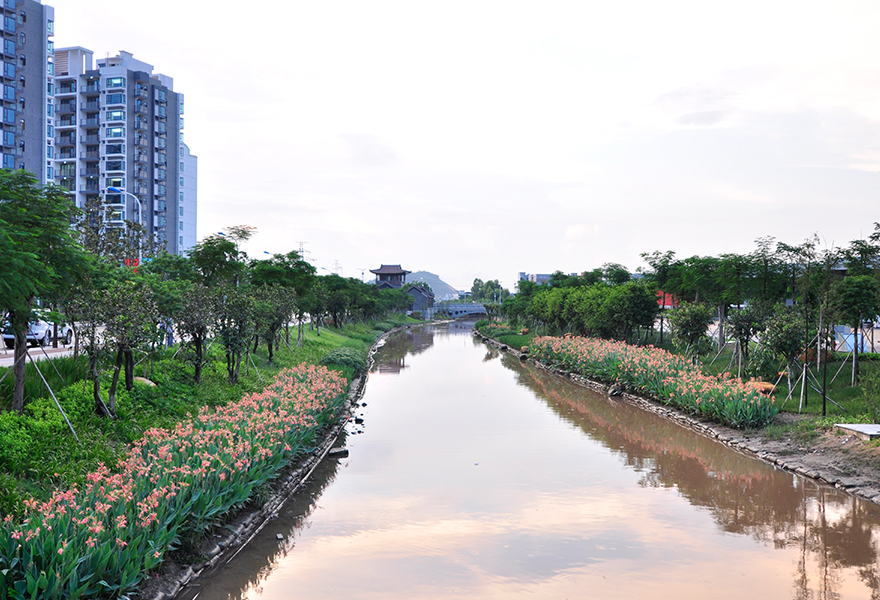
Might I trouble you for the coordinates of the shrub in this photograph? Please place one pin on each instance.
(347, 357)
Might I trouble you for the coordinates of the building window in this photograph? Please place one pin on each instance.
(50, 173)
(181, 240)
(181, 182)
(115, 82)
(50, 131)
(115, 149)
(50, 68)
(181, 211)
(50, 89)
(115, 132)
(8, 92)
(9, 24)
(9, 47)
(115, 98)
(115, 165)
(117, 182)
(22, 38)
(50, 110)
(50, 27)
(50, 151)
(181, 226)
(115, 115)
(9, 70)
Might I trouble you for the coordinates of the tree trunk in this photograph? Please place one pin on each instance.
(128, 356)
(111, 393)
(722, 313)
(19, 355)
(199, 345)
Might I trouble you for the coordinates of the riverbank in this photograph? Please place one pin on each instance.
(224, 543)
(843, 461)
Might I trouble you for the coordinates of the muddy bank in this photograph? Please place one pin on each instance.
(844, 461)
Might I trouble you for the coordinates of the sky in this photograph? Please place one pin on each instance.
(481, 139)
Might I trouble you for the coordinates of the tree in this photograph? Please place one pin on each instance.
(194, 322)
(856, 300)
(98, 232)
(218, 260)
(130, 319)
(235, 327)
(36, 246)
(785, 335)
(688, 322)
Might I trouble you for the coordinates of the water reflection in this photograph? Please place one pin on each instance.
(831, 529)
(484, 477)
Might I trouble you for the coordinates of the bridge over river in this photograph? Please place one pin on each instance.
(460, 309)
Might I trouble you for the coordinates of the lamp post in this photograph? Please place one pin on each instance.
(140, 220)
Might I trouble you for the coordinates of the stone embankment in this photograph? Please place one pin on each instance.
(844, 462)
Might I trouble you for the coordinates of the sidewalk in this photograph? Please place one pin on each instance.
(7, 357)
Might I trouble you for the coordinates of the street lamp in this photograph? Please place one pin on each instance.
(140, 220)
(116, 190)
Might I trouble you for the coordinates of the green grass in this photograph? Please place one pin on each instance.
(39, 454)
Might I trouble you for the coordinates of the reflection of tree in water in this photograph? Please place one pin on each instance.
(257, 560)
(391, 358)
(744, 495)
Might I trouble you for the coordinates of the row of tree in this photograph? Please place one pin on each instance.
(125, 295)
(787, 296)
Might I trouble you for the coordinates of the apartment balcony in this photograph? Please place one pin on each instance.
(65, 140)
(142, 92)
(90, 155)
(65, 108)
(67, 153)
(92, 88)
(68, 122)
(93, 122)
(90, 139)
(89, 187)
(94, 105)
(68, 183)
(90, 171)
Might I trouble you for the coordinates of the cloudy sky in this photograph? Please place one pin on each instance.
(481, 139)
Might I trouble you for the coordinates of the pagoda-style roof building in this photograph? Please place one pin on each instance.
(390, 276)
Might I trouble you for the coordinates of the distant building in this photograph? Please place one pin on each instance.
(423, 298)
(539, 278)
(390, 276)
(119, 125)
(28, 66)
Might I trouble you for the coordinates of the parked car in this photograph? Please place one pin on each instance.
(40, 333)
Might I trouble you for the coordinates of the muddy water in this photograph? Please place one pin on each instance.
(476, 476)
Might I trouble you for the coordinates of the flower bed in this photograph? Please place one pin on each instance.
(102, 539)
(661, 375)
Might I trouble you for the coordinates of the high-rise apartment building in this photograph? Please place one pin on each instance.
(27, 112)
(118, 134)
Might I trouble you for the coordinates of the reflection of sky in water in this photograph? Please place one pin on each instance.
(464, 484)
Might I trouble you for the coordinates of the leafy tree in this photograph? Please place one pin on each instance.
(102, 236)
(36, 245)
(234, 326)
(744, 324)
(273, 306)
(856, 300)
(615, 274)
(785, 334)
(218, 260)
(194, 322)
(130, 320)
(688, 322)
(290, 271)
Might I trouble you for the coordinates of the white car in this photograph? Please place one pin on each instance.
(40, 333)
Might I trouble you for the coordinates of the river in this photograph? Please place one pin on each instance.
(474, 475)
